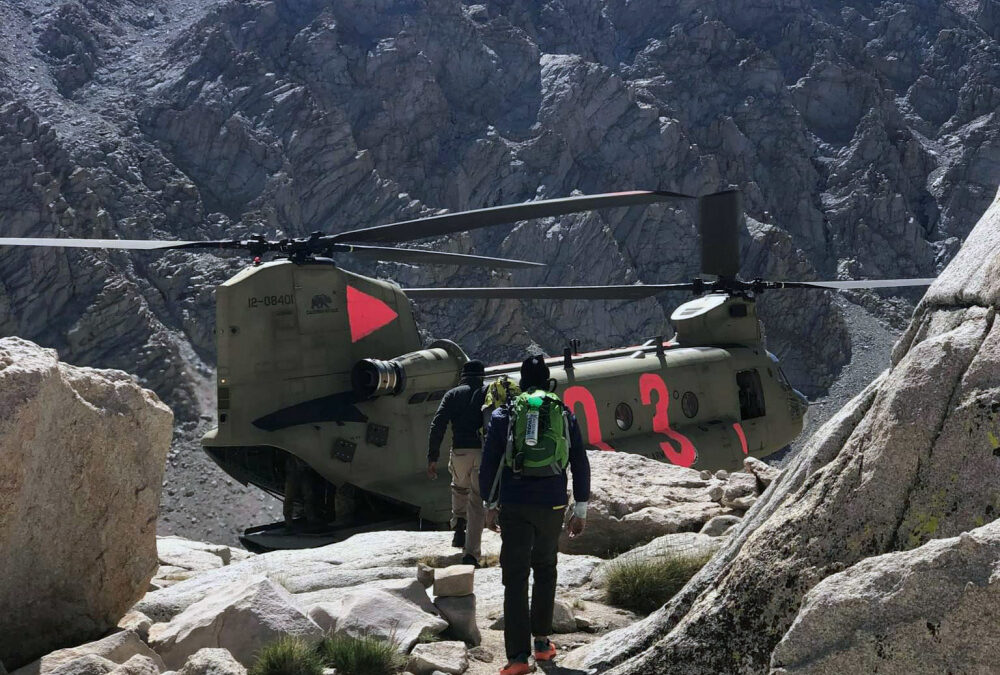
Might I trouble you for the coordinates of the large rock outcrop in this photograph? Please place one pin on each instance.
(81, 462)
(914, 457)
(933, 609)
(240, 617)
(635, 499)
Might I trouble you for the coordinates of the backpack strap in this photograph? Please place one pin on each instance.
(476, 405)
(508, 452)
(554, 466)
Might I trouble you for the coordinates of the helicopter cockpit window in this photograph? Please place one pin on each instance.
(751, 394)
(436, 395)
(419, 397)
(782, 378)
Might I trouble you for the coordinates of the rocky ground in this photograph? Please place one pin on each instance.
(200, 500)
(863, 134)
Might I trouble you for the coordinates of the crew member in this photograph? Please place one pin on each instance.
(462, 408)
(530, 507)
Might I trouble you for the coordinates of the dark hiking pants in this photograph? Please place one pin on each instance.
(530, 537)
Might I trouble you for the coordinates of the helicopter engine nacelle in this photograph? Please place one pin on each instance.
(717, 319)
(435, 368)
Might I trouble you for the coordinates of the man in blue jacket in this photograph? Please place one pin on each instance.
(530, 512)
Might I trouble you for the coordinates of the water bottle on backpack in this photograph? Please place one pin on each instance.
(538, 436)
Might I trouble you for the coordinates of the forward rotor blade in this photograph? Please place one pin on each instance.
(414, 255)
(448, 223)
(861, 283)
(622, 292)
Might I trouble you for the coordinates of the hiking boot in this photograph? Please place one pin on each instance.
(517, 667)
(469, 559)
(458, 541)
(545, 650)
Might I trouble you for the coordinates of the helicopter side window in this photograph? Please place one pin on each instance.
(751, 394)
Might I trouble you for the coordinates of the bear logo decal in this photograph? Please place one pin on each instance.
(321, 301)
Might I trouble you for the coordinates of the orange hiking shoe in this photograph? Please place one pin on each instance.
(517, 668)
(544, 651)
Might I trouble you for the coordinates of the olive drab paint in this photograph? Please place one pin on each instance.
(328, 366)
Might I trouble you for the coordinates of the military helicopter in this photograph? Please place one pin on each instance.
(322, 371)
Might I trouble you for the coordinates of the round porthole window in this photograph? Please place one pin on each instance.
(689, 404)
(623, 416)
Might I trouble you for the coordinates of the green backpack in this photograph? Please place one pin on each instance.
(549, 456)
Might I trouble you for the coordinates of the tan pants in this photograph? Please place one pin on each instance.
(466, 502)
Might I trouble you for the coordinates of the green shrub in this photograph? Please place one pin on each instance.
(364, 655)
(288, 656)
(643, 585)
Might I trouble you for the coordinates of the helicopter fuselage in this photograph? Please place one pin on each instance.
(327, 366)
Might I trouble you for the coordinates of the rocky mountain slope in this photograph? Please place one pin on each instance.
(865, 136)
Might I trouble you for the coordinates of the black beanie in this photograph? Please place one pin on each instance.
(473, 369)
(534, 373)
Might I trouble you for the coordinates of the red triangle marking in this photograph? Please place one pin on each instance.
(366, 314)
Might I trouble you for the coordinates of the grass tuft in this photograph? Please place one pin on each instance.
(364, 655)
(643, 585)
(287, 656)
(489, 560)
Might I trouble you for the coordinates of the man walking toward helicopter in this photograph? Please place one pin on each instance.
(462, 408)
(529, 445)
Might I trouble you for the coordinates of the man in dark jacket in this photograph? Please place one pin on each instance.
(462, 408)
(530, 516)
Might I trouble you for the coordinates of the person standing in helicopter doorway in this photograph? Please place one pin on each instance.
(462, 408)
(529, 445)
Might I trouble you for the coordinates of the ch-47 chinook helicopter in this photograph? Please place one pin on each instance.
(326, 366)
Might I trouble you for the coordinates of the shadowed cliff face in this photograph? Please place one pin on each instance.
(864, 136)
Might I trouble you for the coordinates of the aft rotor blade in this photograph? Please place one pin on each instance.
(132, 244)
(419, 256)
(622, 292)
(720, 219)
(124, 244)
(449, 223)
(861, 283)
